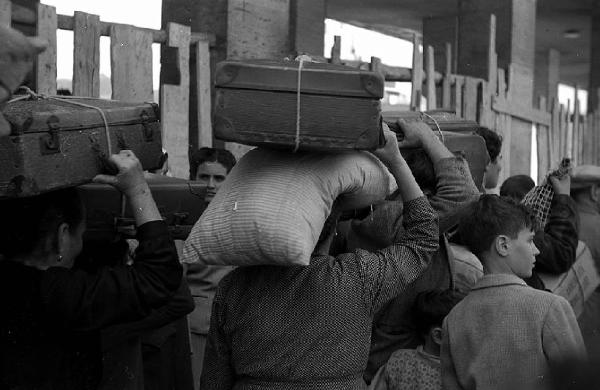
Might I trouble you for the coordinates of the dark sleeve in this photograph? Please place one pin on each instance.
(557, 243)
(217, 371)
(384, 274)
(85, 301)
(454, 188)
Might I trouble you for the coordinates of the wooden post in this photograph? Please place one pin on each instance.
(417, 75)
(46, 61)
(470, 98)
(203, 85)
(555, 132)
(492, 57)
(5, 12)
(446, 83)
(458, 95)
(430, 80)
(86, 55)
(307, 26)
(175, 105)
(543, 145)
(131, 64)
(575, 133)
(336, 50)
(375, 65)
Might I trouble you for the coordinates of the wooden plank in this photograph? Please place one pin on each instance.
(520, 147)
(446, 83)
(492, 56)
(46, 60)
(5, 12)
(518, 110)
(543, 145)
(484, 112)
(554, 132)
(375, 65)
(203, 90)
(336, 49)
(86, 55)
(26, 16)
(575, 133)
(568, 131)
(131, 64)
(562, 131)
(501, 79)
(417, 75)
(175, 105)
(458, 95)
(520, 84)
(431, 98)
(503, 127)
(470, 98)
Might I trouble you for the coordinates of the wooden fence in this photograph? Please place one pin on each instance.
(131, 69)
(502, 102)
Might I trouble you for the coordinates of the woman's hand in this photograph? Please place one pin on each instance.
(130, 176)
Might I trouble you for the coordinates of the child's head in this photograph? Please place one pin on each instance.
(499, 232)
(430, 309)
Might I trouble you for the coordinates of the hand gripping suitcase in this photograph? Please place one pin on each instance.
(55, 144)
(257, 104)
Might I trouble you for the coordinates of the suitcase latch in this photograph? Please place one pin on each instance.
(50, 142)
(146, 129)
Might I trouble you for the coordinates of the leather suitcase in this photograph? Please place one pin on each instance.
(180, 202)
(54, 144)
(470, 146)
(447, 121)
(256, 104)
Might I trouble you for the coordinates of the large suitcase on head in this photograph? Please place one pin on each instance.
(257, 104)
(55, 144)
(180, 203)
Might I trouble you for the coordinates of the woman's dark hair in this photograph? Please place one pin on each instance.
(30, 223)
(203, 155)
(490, 216)
(517, 186)
(493, 142)
(431, 307)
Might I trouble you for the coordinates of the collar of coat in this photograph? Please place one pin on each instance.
(496, 280)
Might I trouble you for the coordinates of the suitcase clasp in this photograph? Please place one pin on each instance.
(50, 142)
(146, 129)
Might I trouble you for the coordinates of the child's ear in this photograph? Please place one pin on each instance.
(501, 245)
(436, 334)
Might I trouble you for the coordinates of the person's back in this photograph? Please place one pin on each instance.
(505, 333)
(309, 327)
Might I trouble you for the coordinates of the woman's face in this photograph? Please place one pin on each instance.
(212, 175)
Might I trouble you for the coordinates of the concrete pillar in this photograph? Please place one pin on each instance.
(547, 68)
(594, 83)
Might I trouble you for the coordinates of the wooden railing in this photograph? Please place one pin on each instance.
(502, 103)
(131, 68)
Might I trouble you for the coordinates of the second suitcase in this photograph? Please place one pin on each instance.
(55, 144)
(257, 104)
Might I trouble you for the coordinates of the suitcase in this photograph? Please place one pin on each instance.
(447, 121)
(180, 202)
(256, 104)
(54, 144)
(469, 146)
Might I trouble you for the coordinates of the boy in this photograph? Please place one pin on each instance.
(504, 333)
(419, 369)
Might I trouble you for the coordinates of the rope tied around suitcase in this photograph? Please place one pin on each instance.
(30, 94)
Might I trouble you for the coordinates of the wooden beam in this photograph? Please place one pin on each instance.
(175, 105)
(458, 95)
(446, 82)
(86, 55)
(470, 102)
(543, 145)
(417, 75)
(46, 60)
(554, 132)
(205, 132)
(24, 15)
(507, 106)
(492, 56)
(336, 50)
(131, 64)
(431, 92)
